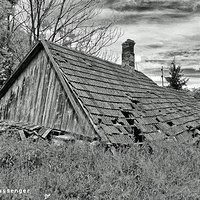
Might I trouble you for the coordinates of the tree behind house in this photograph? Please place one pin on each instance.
(73, 23)
(176, 80)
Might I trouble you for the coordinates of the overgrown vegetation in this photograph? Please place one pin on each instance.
(169, 171)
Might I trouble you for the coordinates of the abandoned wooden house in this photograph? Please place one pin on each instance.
(57, 90)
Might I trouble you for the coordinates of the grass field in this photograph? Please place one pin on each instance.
(170, 171)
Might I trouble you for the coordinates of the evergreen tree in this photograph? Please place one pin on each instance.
(176, 80)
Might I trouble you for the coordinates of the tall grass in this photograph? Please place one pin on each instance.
(168, 171)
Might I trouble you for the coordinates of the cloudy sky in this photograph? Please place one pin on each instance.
(161, 29)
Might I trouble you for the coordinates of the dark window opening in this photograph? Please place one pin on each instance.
(170, 123)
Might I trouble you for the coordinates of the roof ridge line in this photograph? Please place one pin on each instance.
(83, 53)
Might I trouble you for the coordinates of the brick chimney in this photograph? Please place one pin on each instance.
(128, 55)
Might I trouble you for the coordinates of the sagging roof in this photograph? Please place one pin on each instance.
(124, 105)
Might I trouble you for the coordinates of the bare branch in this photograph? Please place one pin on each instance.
(69, 22)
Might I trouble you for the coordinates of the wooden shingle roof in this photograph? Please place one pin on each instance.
(126, 106)
(123, 106)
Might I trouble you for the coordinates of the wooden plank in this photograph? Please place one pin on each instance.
(55, 104)
(43, 132)
(44, 91)
(69, 120)
(32, 127)
(46, 133)
(57, 107)
(52, 112)
(18, 100)
(49, 99)
(65, 114)
(39, 99)
(26, 104)
(22, 135)
(60, 108)
(36, 78)
(31, 88)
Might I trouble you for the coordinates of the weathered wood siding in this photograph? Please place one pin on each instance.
(37, 97)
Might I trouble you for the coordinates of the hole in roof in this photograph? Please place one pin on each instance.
(131, 121)
(157, 119)
(118, 129)
(114, 121)
(170, 123)
(137, 133)
(194, 135)
(156, 127)
(189, 127)
(135, 101)
(126, 114)
(66, 60)
(128, 117)
(99, 120)
(132, 106)
(122, 123)
(159, 111)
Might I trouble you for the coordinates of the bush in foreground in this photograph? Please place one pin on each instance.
(170, 171)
